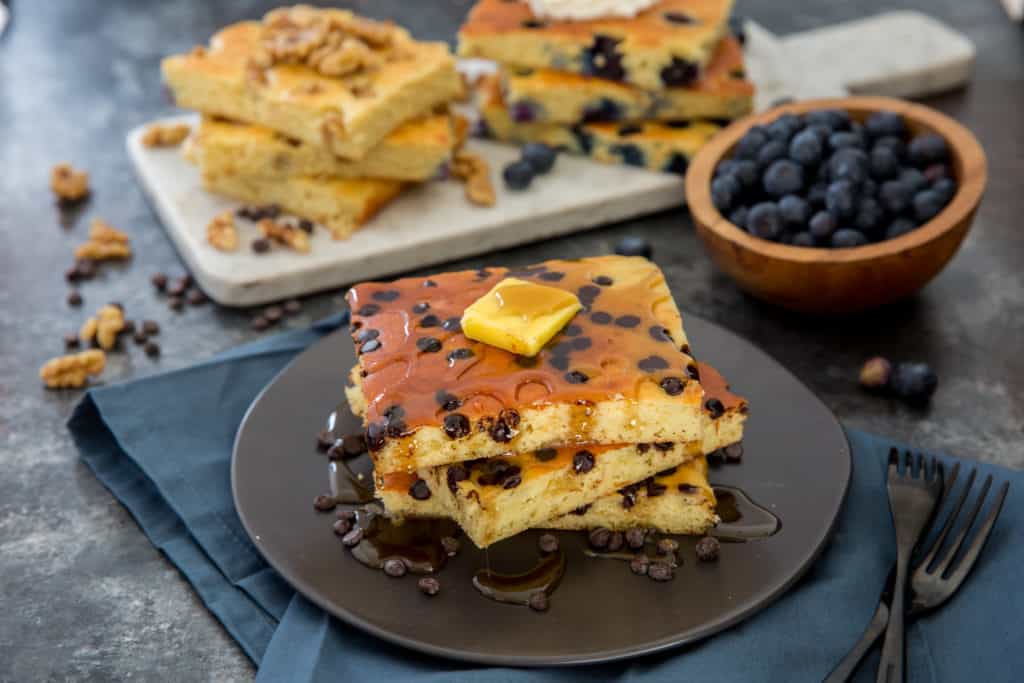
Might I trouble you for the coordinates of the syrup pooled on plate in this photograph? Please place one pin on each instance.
(742, 518)
(523, 589)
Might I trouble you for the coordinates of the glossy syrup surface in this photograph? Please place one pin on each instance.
(742, 518)
(518, 589)
(416, 542)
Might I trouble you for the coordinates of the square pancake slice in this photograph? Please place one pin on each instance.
(413, 152)
(619, 372)
(663, 46)
(654, 145)
(549, 96)
(348, 114)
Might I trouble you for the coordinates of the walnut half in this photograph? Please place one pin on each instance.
(160, 135)
(282, 233)
(68, 184)
(73, 371)
(221, 232)
(475, 172)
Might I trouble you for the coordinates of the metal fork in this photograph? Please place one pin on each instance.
(931, 589)
(913, 493)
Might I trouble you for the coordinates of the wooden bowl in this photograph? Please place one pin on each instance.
(819, 280)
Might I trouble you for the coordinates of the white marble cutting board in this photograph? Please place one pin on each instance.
(898, 53)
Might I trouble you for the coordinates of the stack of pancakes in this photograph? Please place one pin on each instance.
(646, 91)
(320, 111)
(607, 426)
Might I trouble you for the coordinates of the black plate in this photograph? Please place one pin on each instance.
(797, 464)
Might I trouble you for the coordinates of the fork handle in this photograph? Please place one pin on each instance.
(848, 665)
(890, 667)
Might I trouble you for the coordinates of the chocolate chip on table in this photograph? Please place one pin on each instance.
(352, 538)
(616, 541)
(539, 602)
(428, 585)
(261, 245)
(196, 297)
(152, 349)
(74, 298)
(451, 546)
(667, 546)
(456, 426)
(86, 269)
(150, 327)
(325, 503)
(342, 527)
(548, 543)
(395, 568)
(175, 303)
(640, 564)
(661, 571)
(140, 337)
(129, 327)
(293, 307)
(273, 314)
(582, 462)
(177, 288)
(599, 538)
(71, 341)
(707, 549)
(71, 274)
(118, 305)
(159, 281)
(733, 452)
(635, 538)
(259, 323)
(420, 490)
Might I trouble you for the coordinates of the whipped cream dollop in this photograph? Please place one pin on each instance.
(578, 10)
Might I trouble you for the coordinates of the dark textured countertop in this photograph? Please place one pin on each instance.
(84, 594)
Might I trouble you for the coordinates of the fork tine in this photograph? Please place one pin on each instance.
(949, 483)
(950, 518)
(894, 460)
(966, 563)
(947, 561)
(919, 466)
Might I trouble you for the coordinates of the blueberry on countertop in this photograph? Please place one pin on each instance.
(914, 382)
(783, 177)
(539, 156)
(764, 221)
(518, 175)
(633, 246)
(847, 237)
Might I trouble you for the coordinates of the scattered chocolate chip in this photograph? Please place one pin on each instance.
(150, 327)
(576, 377)
(616, 541)
(342, 527)
(261, 245)
(273, 314)
(349, 515)
(71, 274)
(598, 538)
(428, 344)
(714, 407)
(627, 321)
(587, 293)
(652, 364)
(421, 307)
(451, 545)
(74, 298)
(659, 333)
(420, 490)
(635, 538)
(259, 323)
(71, 341)
(196, 297)
(352, 538)
(548, 543)
(395, 568)
(456, 473)
(639, 564)
(661, 571)
(456, 425)
(601, 318)
(140, 337)
(324, 503)
(603, 280)
(175, 303)
(734, 452)
(707, 549)
(583, 462)
(428, 585)
(459, 354)
(545, 454)
(293, 307)
(177, 288)
(159, 281)
(129, 327)
(673, 386)
(306, 225)
(152, 349)
(539, 602)
(370, 346)
(452, 325)
(667, 546)
(368, 310)
(386, 295)
(86, 269)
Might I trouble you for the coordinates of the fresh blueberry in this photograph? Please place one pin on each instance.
(680, 72)
(834, 119)
(633, 246)
(945, 188)
(677, 163)
(898, 147)
(849, 164)
(805, 148)
(602, 58)
(845, 238)
(900, 226)
(861, 132)
(726, 167)
(523, 111)
(823, 224)
(884, 164)
(746, 173)
(539, 156)
(913, 179)
(840, 198)
(794, 211)
(784, 127)
(820, 130)
(869, 188)
(518, 175)
(739, 217)
(883, 123)
(772, 151)
(927, 205)
(764, 221)
(724, 192)
(816, 194)
(869, 216)
(783, 177)
(803, 239)
(914, 382)
(844, 139)
(750, 144)
(895, 196)
(604, 110)
(936, 171)
(927, 148)
(630, 154)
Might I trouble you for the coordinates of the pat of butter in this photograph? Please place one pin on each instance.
(519, 316)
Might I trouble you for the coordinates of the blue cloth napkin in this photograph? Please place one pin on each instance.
(162, 445)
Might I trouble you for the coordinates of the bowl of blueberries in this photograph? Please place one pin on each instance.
(836, 205)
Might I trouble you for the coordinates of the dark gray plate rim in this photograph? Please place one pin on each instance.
(837, 473)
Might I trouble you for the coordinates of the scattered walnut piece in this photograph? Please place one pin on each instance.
(161, 135)
(103, 327)
(105, 243)
(222, 233)
(474, 171)
(69, 184)
(282, 233)
(73, 371)
(102, 231)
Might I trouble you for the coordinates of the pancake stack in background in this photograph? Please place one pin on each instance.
(322, 112)
(647, 90)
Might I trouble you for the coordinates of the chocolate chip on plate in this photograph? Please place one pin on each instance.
(548, 543)
(293, 307)
(635, 538)
(667, 546)
(639, 564)
(616, 541)
(395, 568)
(451, 545)
(342, 527)
(661, 571)
(325, 503)
(707, 549)
(539, 602)
(259, 323)
(428, 585)
(733, 452)
(352, 538)
(598, 538)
